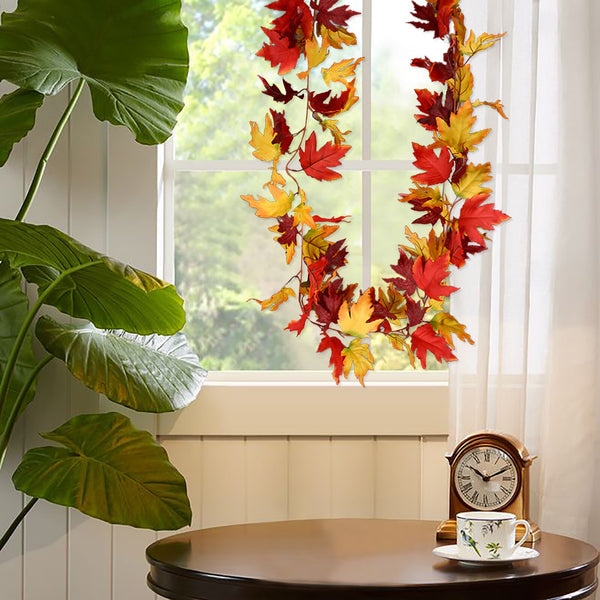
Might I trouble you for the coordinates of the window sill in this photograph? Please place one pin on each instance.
(313, 407)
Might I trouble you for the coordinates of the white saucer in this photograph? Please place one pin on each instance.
(451, 552)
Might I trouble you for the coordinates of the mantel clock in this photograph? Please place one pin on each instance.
(489, 472)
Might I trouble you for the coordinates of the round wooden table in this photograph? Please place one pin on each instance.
(352, 559)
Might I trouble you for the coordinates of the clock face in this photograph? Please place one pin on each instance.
(486, 478)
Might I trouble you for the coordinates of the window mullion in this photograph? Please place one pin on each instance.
(366, 143)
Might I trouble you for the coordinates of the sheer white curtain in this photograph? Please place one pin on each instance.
(533, 303)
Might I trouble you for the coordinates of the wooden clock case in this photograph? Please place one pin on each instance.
(519, 506)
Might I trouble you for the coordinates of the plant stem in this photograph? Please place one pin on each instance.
(8, 533)
(16, 409)
(39, 173)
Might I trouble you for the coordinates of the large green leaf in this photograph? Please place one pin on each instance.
(132, 53)
(147, 373)
(14, 307)
(89, 285)
(17, 117)
(109, 470)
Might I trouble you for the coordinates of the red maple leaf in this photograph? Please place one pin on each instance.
(438, 71)
(283, 135)
(315, 276)
(460, 168)
(436, 168)
(433, 105)
(288, 35)
(404, 268)
(299, 324)
(425, 339)
(476, 215)
(335, 255)
(328, 104)
(336, 360)
(429, 275)
(329, 17)
(415, 311)
(274, 92)
(289, 232)
(435, 17)
(329, 301)
(317, 163)
(341, 219)
(279, 52)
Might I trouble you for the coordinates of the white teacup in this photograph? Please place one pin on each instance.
(488, 535)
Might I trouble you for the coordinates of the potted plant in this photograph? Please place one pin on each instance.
(123, 339)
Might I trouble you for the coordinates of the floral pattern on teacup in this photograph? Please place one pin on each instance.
(494, 549)
(488, 528)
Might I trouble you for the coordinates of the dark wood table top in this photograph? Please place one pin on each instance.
(352, 559)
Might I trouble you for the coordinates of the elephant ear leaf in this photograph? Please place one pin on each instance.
(151, 373)
(132, 54)
(86, 284)
(109, 470)
(17, 117)
(14, 307)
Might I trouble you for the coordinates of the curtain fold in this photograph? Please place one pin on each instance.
(533, 303)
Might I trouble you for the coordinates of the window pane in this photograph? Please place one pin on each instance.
(389, 220)
(224, 92)
(395, 44)
(225, 255)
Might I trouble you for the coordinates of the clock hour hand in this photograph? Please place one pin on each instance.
(506, 468)
(478, 472)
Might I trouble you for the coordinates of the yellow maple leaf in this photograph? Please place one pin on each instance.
(357, 356)
(314, 244)
(445, 325)
(340, 71)
(282, 202)
(457, 136)
(429, 248)
(459, 25)
(475, 44)
(354, 319)
(399, 343)
(263, 141)
(276, 177)
(497, 106)
(338, 136)
(462, 84)
(302, 213)
(337, 38)
(315, 55)
(393, 301)
(277, 299)
(471, 183)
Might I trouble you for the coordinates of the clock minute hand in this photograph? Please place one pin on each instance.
(500, 471)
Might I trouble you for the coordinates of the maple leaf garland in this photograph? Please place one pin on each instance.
(449, 194)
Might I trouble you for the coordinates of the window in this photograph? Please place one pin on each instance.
(222, 254)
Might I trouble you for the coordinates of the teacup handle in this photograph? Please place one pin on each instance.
(524, 536)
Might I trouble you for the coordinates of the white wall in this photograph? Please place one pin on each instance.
(246, 456)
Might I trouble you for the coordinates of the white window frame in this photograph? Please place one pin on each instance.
(308, 402)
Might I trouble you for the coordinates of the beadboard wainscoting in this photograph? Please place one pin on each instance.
(270, 452)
